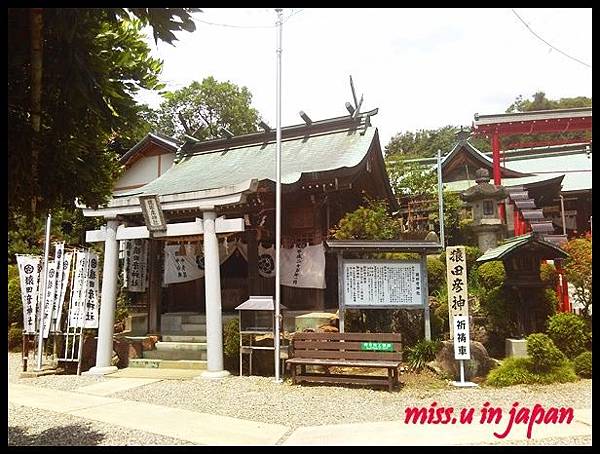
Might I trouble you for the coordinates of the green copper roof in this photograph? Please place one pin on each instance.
(230, 166)
(510, 245)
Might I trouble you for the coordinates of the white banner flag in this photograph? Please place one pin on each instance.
(29, 275)
(134, 265)
(83, 311)
(59, 251)
(66, 272)
(303, 266)
(49, 299)
(266, 261)
(91, 295)
(182, 264)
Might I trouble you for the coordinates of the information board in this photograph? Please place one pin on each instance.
(382, 283)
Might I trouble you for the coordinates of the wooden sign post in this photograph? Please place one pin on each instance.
(458, 308)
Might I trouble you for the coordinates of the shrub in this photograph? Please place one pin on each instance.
(583, 365)
(491, 275)
(15, 338)
(515, 371)
(436, 274)
(15, 305)
(544, 354)
(569, 333)
(423, 352)
(231, 338)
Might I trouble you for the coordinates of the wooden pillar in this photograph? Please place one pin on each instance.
(154, 288)
(497, 175)
(253, 276)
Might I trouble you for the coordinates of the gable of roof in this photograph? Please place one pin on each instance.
(477, 156)
(548, 250)
(163, 141)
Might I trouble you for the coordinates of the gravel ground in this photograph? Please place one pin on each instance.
(62, 382)
(260, 399)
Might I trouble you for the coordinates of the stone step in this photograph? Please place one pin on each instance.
(166, 346)
(195, 327)
(182, 338)
(167, 364)
(175, 355)
(180, 333)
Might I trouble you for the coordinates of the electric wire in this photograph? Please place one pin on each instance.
(546, 42)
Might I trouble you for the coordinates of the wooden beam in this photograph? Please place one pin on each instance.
(222, 225)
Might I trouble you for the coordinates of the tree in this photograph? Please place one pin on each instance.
(410, 180)
(368, 222)
(72, 74)
(201, 109)
(425, 143)
(578, 269)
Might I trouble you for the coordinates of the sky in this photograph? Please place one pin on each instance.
(423, 68)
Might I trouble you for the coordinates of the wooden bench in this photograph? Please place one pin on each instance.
(364, 350)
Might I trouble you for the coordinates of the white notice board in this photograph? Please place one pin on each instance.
(383, 284)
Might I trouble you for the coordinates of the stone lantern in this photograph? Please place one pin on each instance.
(484, 198)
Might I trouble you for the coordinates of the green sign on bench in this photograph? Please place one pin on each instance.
(377, 346)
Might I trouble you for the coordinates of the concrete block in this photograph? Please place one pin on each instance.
(516, 348)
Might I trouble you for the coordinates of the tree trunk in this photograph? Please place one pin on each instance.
(36, 25)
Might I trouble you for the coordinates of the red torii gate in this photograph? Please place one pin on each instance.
(528, 123)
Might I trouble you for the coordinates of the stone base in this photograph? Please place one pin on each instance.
(40, 373)
(213, 375)
(464, 384)
(101, 370)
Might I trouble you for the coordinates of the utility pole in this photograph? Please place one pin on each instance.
(276, 338)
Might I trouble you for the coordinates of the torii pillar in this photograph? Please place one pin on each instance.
(108, 302)
(212, 284)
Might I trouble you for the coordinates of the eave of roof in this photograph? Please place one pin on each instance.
(537, 115)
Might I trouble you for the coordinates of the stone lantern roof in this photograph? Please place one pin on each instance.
(483, 189)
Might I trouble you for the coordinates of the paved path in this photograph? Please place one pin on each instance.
(106, 388)
(88, 402)
(196, 427)
(399, 433)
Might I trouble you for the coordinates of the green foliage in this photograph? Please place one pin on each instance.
(27, 235)
(515, 371)
(123, 305)
(544, 354)
(94, 62)
(569, 332)
(491, 275)
(578, 270)
(205, 108)
(231, 338)
(370, 222)
(15, 305)
(421, 353)
(436, 274)
(583, 365)
(548, 275)
(15, 338)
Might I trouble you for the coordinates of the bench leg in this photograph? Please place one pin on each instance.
(390, 379)
(293, 367)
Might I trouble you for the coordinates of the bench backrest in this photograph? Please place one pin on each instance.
(371, 346)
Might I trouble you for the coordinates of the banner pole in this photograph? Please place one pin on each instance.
(43, 298)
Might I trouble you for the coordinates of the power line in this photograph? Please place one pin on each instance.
(248, 26)
(546, 42)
